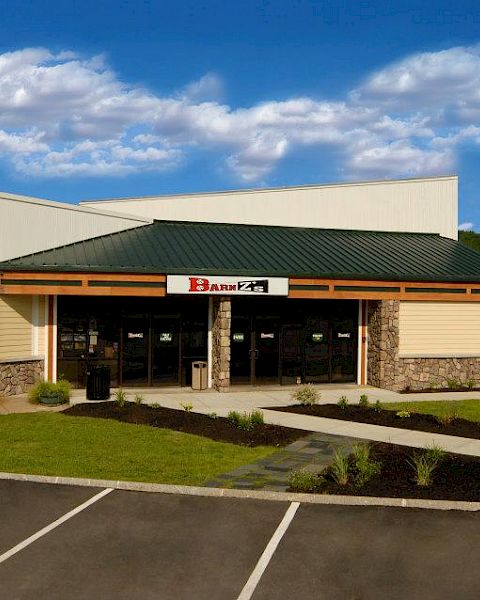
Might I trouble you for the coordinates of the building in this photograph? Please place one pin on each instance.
(359, 282)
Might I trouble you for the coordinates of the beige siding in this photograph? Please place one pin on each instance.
(15, 327)
(427, 205)
(447, 329)
(41, 326)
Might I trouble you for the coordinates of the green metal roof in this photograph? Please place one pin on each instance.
(216, 248)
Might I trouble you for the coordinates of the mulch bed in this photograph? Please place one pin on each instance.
(218, 429)
(431, 390)
(457, 477)
(386, 418)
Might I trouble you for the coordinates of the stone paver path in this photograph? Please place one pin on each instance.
(313, 453)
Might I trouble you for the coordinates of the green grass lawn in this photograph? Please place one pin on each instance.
(466, 409)
(54, 444)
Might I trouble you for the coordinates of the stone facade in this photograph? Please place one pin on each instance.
(386, 369)
(222, 317)
(17, 377)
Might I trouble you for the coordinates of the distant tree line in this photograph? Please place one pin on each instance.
(469, 238)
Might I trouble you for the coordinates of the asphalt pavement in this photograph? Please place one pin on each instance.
(66, 542)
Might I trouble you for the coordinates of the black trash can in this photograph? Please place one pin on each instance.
(98, 383)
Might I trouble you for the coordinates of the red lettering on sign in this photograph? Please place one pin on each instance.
(232, 287)
(214, 287)
(199, 284)
(223, 287)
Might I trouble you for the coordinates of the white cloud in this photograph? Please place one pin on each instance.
(64, 115)
(465, 227)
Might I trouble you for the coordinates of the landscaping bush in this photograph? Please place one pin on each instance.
(62, 389)
(363, 466)
(138, 399)
(120, 398)
(340, 468)
(246, 421)
(343, 402)
(303, 481)
(378, 406)
(363, 402)
(187, 406)
(424, 465)
(403, 414)
(307, 395)
(447, 417)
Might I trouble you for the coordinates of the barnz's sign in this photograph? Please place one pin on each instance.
(227, 286)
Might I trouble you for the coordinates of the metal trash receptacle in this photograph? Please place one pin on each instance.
(199, 375)
(98, 383)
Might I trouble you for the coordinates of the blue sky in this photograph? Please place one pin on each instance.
(126, 98)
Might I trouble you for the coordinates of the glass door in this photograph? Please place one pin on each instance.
(241, 352)
(344, 349)
(316, 351)
(165, 350)
(135, 350)
(266, 350)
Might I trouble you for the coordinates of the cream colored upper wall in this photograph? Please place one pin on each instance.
(443, 329)
(416, 205)
(15, 327)
(29, 225)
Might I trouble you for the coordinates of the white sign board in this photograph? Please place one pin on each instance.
(227, 286)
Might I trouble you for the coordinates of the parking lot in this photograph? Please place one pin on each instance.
(128, 545)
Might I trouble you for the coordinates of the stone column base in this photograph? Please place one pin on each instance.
(222, 316)
(18, 376)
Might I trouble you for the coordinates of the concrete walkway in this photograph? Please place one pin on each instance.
(248, 399)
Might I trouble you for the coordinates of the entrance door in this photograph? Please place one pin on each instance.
(344, 349)
(265, 349)
(165, 350)
(241, 350)
(316, 366)
(135, 352)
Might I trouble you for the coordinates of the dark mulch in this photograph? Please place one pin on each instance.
(387, 418)
(431, 390)
(457, 477)
(219, 429)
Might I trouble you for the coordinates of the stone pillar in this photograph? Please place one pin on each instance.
(18, 376)
(383, 337)
(222, 317)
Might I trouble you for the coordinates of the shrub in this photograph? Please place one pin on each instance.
(138, 399)
(433, 384)
(378, 406)
(423, 465)
(363, 402)
(453, 383)
(303, 481)
(62, 389)
(470, 384)
(343, 402)
(155, 405)
(212, 415)
(364, 467)
(187, 406)
(120, 398)
(339, 468)
(307, 395)
(435, 453)
(447, 418)
(403, 414)
(246, 421)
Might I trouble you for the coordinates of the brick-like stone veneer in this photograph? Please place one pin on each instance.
(17, 377)
(386, 369)
(222, 317)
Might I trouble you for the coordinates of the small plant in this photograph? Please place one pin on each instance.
(303, 481)
(120, 398)
(470, 384)
(50, 393)
(363, 402)
(307, 395)
(453, 383)
(155, 405)
(187, 406)
(365, 468)
(256, 417)
(246, 421)
(424, 466)
(435, 453)
(212, 415)
(138, 399)
(378, 406)
(339, 468)
(403, 414)
(343, 402)
(447, 418)
(433, 384)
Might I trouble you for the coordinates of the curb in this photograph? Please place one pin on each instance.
(186, 490)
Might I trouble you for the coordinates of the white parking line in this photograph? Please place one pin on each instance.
(269, 551)
(45, 530)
